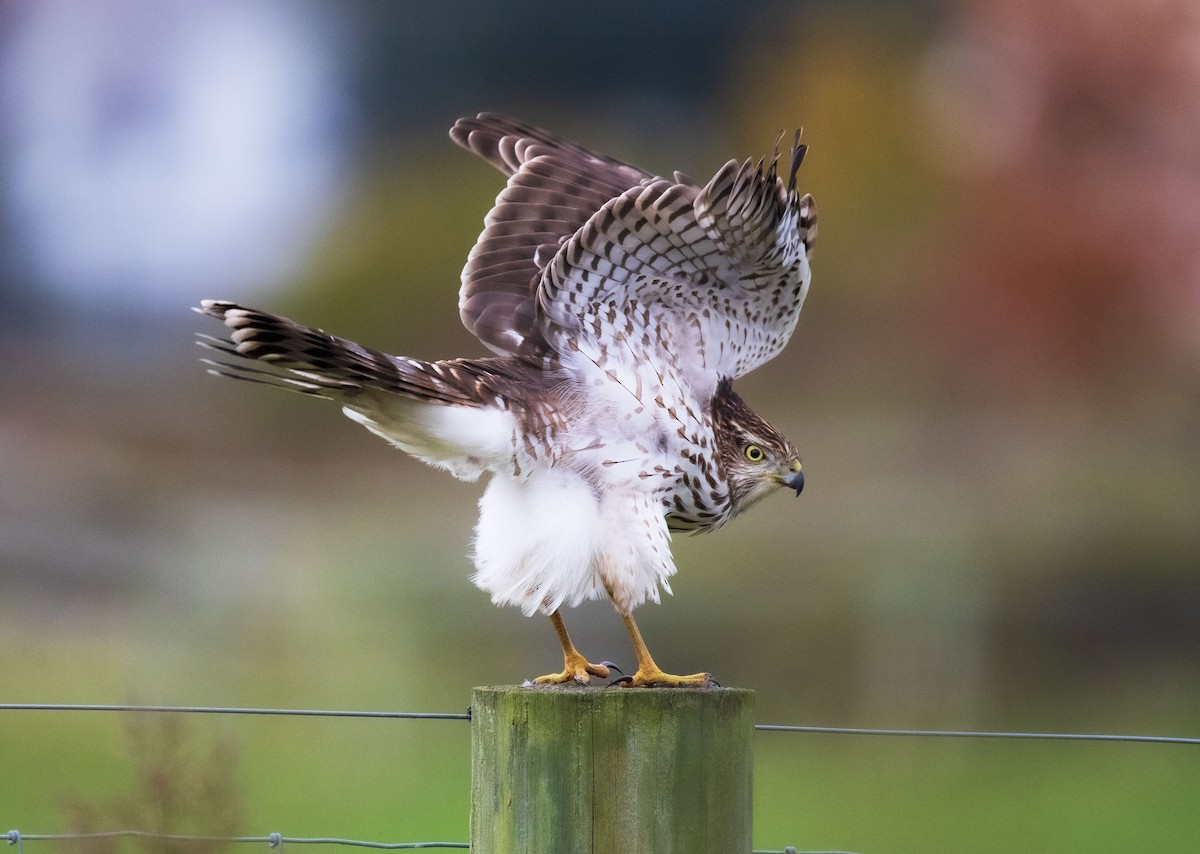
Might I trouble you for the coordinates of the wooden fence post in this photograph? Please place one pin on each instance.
(571, 770)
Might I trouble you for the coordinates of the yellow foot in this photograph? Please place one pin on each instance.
(655, 678)
(577, 669)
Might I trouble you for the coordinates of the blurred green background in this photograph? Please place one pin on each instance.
(995, 386)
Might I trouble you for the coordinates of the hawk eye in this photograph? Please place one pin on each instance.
(755, 454)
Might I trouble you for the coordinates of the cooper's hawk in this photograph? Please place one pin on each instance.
(620, 306)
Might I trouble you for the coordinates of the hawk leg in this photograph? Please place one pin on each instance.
(575, 666)
(648, 673)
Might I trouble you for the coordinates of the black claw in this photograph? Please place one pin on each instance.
(612, 666)
(621, 680)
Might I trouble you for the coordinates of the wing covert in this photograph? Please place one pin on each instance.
(726, 263)
(555, 185)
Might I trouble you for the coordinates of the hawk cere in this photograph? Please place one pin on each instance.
(620, 306)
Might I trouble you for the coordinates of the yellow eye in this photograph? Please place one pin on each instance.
(755, 454)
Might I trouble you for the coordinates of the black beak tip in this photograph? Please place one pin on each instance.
(795, 481)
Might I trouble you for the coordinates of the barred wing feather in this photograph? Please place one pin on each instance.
(554, 187)
(728, 262)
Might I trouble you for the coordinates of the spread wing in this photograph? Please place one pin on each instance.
(554, 187)
(726, 265)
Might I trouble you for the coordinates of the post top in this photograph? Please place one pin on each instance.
(596, 690)
(580, 697)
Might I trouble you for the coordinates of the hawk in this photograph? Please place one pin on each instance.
(619, 307)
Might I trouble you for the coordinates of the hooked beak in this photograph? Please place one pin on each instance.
(795, 480)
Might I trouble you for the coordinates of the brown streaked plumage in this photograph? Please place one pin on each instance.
(620, 306)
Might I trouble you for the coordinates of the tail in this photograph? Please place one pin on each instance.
(459, 415)
(275, 351)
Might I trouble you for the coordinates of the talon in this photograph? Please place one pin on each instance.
(577, 669)
(648, 673)
(612, 666)
(657, 679)
(622, 680)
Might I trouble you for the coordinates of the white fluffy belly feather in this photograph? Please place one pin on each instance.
(547, 541)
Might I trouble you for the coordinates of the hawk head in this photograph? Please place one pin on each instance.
(755, 458)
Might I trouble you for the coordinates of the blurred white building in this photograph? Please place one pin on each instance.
(165, 150)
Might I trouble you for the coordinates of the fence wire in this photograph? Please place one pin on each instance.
(946, 733)
(234, 710)
(277, 840)
(274, 840)
(466, 716)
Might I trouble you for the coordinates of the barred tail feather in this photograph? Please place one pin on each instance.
(276, 351)
(453, 415)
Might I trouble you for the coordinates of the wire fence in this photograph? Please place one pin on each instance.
(947, 733)
(234, 710)
(276, 840)
(466, 716)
